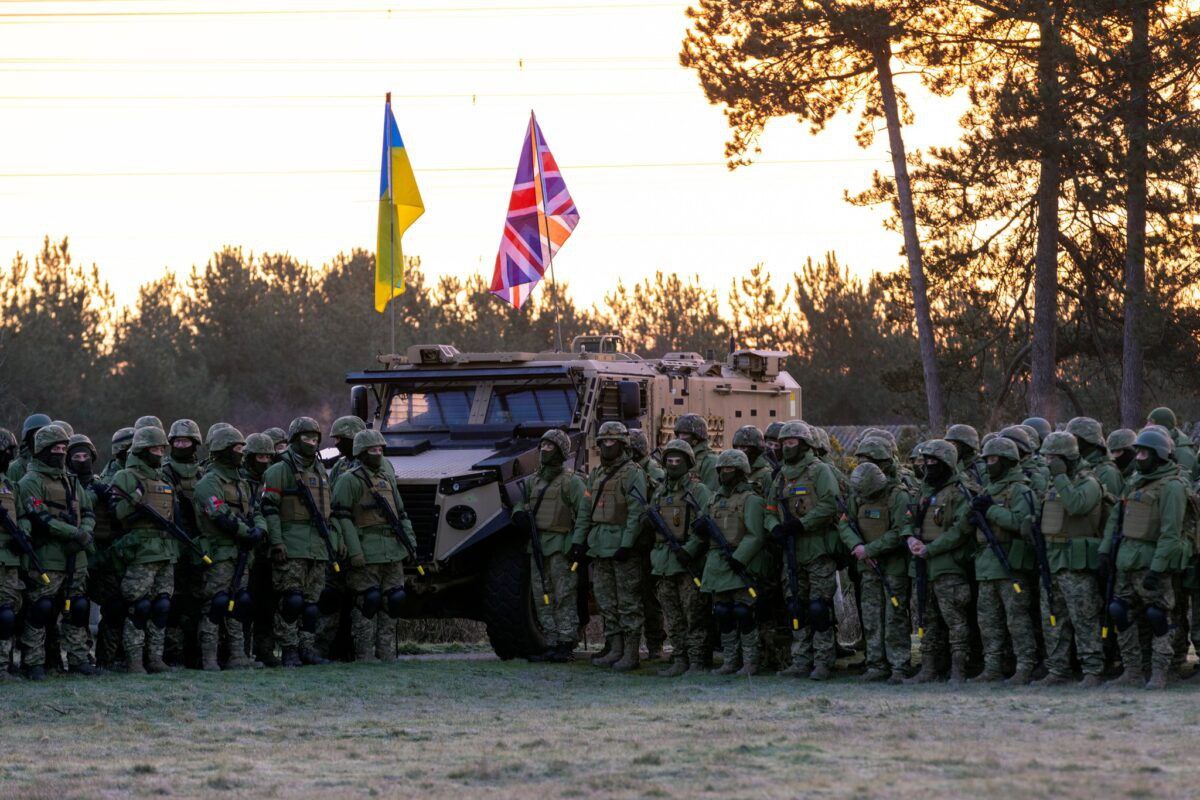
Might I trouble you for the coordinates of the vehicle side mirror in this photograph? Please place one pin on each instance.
(358, 402)
(630, 396)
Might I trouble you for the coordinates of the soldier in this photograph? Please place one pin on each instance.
(121, 440)
(1005, 505)
(342, 432)
(941, 537)
(1034, 470)
(376, 556)
(685, 608)
(655, 633)
(1041, 427)
(771, 443)
(279, 439)
(104, 584)
(149, 579)
(1151, 516)
(615, 517)
(694, 430)
(11, 586)
(879, 505)
(824, 452)
(230, 523)
(66, 427)
(182, 468)
(750, 441)
(208, 439)
(739, 513)
(879, 452)
(1120, 447)
(149, 421)
(335, 603)
(966, 441)
(299, 551)
(259, 454)
(1090, 437)
(916, 461)
(1185, 451)
(1071, 517)
(802, 513)
(29, 428)
(553, 501)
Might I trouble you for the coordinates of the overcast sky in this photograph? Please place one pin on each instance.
(152, 137)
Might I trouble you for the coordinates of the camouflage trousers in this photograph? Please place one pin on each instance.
(374, 636)
(1077, 614)
(947, 617)
(886, 628)
(816, 579)
(617, 586)
(11, 589)
(686, 612)
(76, 639)
(330, 622)
(218, 579)
(104, 589)
(1129, 588)
(307, 577)
(1181, 629)
(145, 581)
(559, 620)
(656, 634)
(181, 634)
(1001, 612)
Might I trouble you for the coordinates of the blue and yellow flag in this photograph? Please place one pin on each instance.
(399, 206)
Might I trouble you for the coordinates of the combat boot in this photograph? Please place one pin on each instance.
(1091, 682)
(239, 660)
(991, 674)
(564, 653)
(364, 652)
(958, 668)
(291, 657)
(654, 652)
(1129, 677)
(794, 670)
(134, 666)
(311, 657)
(876, 674)
(87, 669)
(1052, 680)
(208, 653)
(751, 655)
(37, 672)
(155, 664)
(605, 658)
(729, 653)
(677, 667)
(926, 674)
(821, 672)
(1021, 676)
(630, 659)
(1158, 679)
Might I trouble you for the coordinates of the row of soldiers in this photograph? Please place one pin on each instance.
(252, 549)
(1032, 550)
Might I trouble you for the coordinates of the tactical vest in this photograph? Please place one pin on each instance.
(553, 514)
(8, 501)
(292, 508)
(727, 512)
(1058, 526)
(1013, 494)
(874, 519)
(236, 494)
(159, 495)
(367, 513)
(184, 484)
(612, 507)
(676, 513)
(938, 517)
(1141, 512)
(54, 495)
(800, 493)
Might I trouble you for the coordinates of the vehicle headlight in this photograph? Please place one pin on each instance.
(462, 518)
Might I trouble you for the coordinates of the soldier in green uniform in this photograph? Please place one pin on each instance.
(683, 605)
(1006, 505)
(942, 537)
(879, 506)
(183, 469)
(342, 432)
(1071, 516)
(694, 430)
(1094, 456)
(655, 633)
(750, 441)
(1152, 514)
(11, 586)
(121, 440)
(966, 441)
(257, 456)
(336, 603)
(1120, 447)
(376, 556)
(299, 553)
(279, 439)
(230, 522)
(802, 511)
(553, 501)
(59, 512)
(1185, 451)
(615, 517)
(880, 453)
(148, 552)
(1041, 426)
(149, 421)
(1031, 466)
(29, 428)
(771, 443)
(739, 512)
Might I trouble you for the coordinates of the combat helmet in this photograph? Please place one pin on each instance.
(1121, 439)
(259, 444)
(638, 443)
(692, 424)
(559, 439)
(873, 449)
(749, 436)
(615, 431)
(148, 421)
(302, 425)
(1086, 429)
(1018, 436)
(122, 440)
(276, 435)
(964, 434)
(148, 436)
(942, 450)
(798, 430)
(682, 448)
(225, 438)
(49, 436)
(1003, 447)
(79, 440)
(1163, 416)
(365, 439)
(1156, 440)
(771, 434)
(346, 427)
(1061, 443)
(734, 458)
(868, 479)
(67, 427)
(212, 429)
(1040, 425)
(185, 429)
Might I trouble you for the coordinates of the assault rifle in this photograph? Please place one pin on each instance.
(1043, 558)
(245, 547)
(162, 523)
(917, 511)
(789, 563)
(708, 528)
(23, 544)
(310, 505)
(853, 523)
(993, 543)
(397, 526)
(660, 525)
(535, 540)
(1110, 588)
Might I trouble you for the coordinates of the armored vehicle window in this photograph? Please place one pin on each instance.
(438, 408)
(550, 404)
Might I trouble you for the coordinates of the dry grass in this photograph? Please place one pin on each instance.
(466, 726)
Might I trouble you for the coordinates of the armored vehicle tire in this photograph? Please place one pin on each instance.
(512, 628)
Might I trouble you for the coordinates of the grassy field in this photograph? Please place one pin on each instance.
(469, 725)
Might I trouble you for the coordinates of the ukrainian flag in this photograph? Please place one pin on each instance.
(399, 206)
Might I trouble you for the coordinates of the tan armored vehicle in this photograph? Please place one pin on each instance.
(462, 428)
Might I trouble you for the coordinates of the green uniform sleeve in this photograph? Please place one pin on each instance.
(1171, 506)
(49, 525)
(127, 483)
(893, 538)
(845, 529)
(752, 543)
(346, 494)
(574, 495)
(633, 520)
(693, 545)
(275, 480)
(1110, 527)
(1080, 498)
(824, 511)
(87, 513)
(1010, 517)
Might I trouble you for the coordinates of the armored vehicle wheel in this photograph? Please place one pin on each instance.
(508, 604)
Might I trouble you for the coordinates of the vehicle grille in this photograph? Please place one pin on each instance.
(420, 502)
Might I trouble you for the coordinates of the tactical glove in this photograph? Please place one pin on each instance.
(227, 524)
(279, 554)
(358, 562)
(1057, 466)
(683, 558)
(523, 522)
(83, 539)
(253, 536)
(1102, 574)
(981, 503)
(622, 554)
(577, 554)
(1152, 582)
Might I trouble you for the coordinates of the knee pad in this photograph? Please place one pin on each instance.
(1159, 620)
(8, 622)
(369, 601)
(820, 614)
(723, 613)
(243, 606)
(112, 611)
(291, 605)
(218, 607)
(744, 616)
(309, 618)
(1118, 612)
(139, 612)
(81, 612)
(395, 600)
(41, 611)
(160, 610)
(330, 601)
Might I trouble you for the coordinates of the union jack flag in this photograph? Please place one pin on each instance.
(541, 215)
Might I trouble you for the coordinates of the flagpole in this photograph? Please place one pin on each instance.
(549, 249)
(391, 230)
